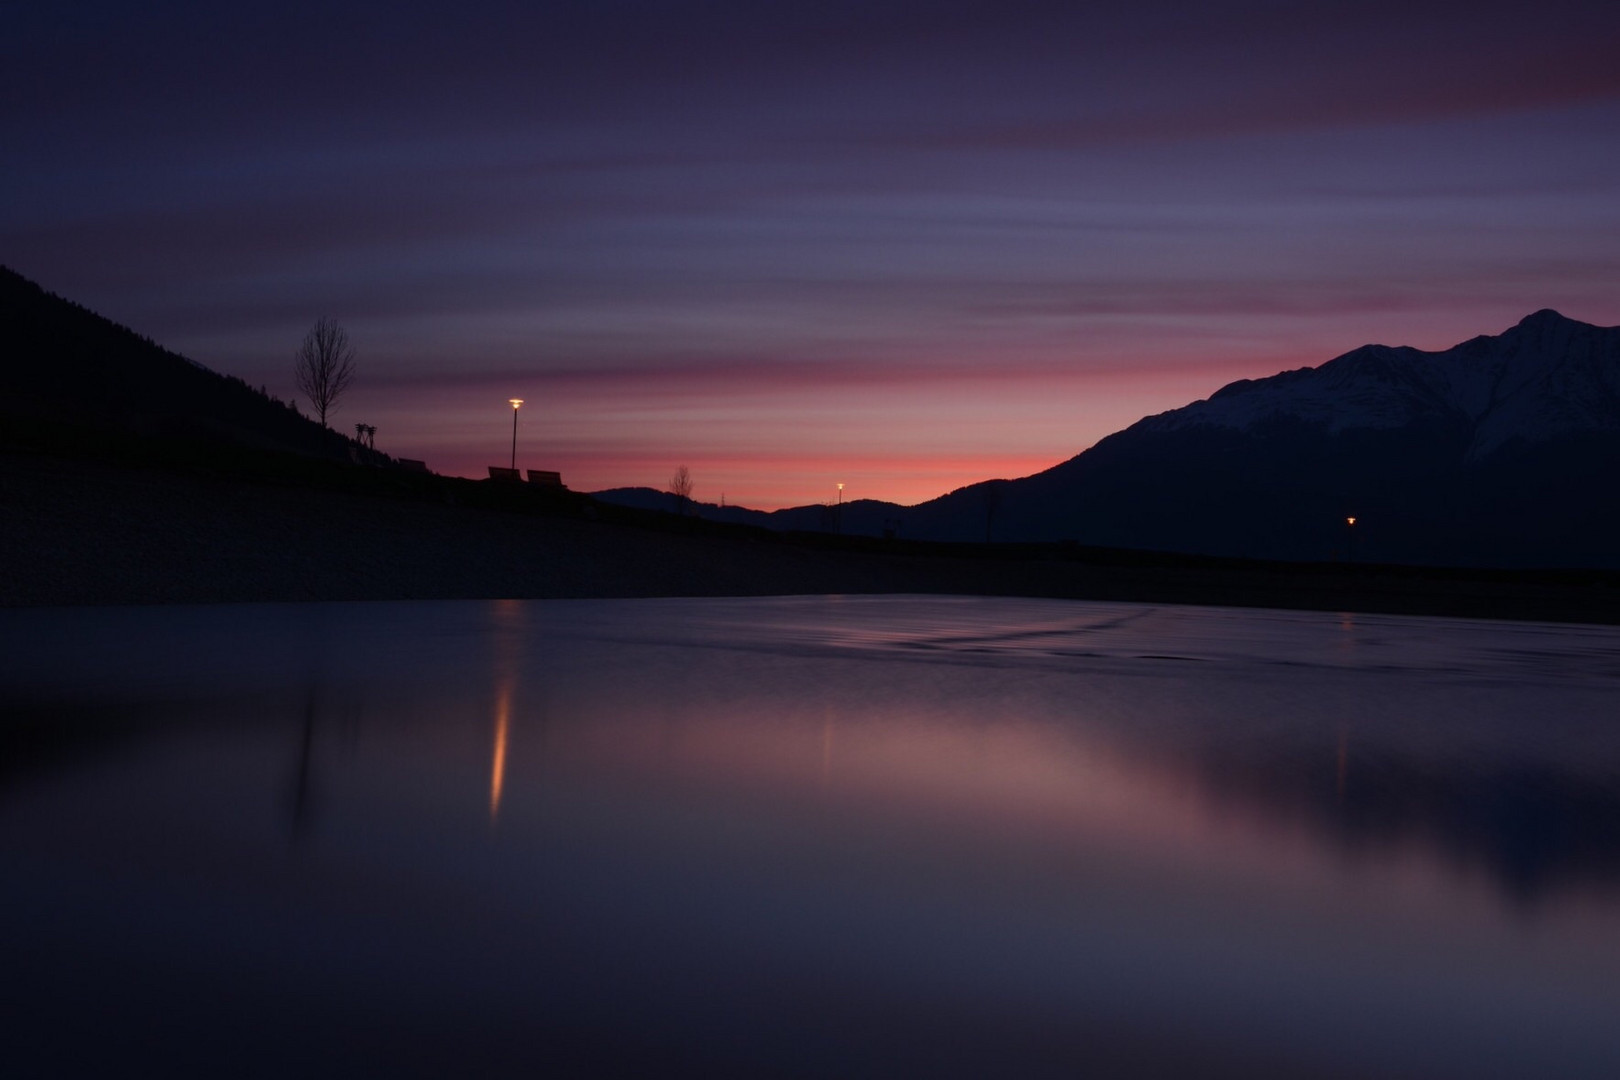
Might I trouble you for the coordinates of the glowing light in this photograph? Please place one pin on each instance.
(1349, 521)
(515, 403)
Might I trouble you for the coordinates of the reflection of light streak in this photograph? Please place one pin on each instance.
(497, 770)
(507, 622)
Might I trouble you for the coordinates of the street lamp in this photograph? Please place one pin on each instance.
(838, 516)
(1350, 538)
(517, 401)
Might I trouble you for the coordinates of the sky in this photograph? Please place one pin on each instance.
(899, 246)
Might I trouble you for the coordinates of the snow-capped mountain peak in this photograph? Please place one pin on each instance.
(1546, 377)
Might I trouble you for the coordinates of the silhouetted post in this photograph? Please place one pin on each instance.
(516, 402)
(838, 514)
(1350, 539)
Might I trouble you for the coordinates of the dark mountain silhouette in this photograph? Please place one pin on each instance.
(858, 517)
(70, 376)
(1501, 451)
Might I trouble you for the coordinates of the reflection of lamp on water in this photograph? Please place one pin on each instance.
(497, 769)
(516, 402)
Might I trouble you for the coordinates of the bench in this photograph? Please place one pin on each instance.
(412, 465)
(497, 472)
(548, 479)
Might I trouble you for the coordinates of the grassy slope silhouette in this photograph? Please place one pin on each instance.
(77, 382)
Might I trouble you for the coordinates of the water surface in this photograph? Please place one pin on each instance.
(815, 836)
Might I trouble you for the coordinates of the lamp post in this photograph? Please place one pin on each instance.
(838, 515)
(516, 402)
(1350, 539)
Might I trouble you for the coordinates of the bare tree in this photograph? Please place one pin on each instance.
(323, 366)
(680, 486)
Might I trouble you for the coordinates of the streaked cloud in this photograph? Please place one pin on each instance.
(708, 223)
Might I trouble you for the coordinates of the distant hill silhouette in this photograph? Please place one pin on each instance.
(68, 372)
(1501, 451)
(858, 517)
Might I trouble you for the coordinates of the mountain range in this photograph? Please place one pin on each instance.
(1500, 451)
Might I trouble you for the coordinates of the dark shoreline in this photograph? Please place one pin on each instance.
(80, 531)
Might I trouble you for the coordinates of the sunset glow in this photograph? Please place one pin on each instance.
(911, 246)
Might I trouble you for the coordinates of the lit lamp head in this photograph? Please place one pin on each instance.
(1349, 521)
(515, 403)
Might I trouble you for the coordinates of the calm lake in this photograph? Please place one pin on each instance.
(836, 836)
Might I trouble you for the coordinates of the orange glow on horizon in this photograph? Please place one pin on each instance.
(769, 440)
(774, 481)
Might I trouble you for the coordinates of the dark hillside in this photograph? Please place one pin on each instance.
(69, 377)
(86, 532)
